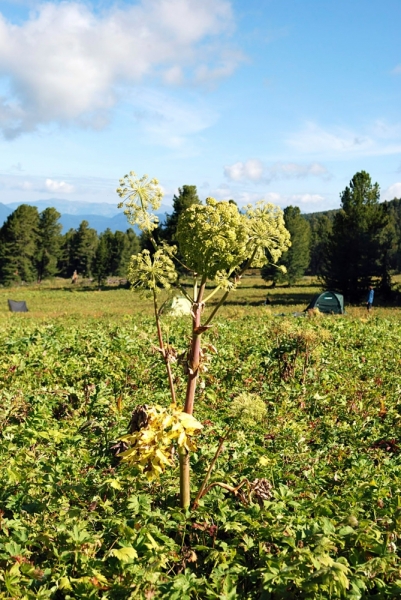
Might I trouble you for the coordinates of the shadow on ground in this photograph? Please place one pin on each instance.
(281, 299)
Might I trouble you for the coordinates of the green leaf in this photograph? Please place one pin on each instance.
(125, 554)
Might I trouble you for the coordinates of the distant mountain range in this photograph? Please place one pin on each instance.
(99, 215)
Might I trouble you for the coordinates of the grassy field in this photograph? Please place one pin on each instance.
(59, 298)
(77, 523)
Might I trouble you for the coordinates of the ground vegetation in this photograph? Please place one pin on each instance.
(311, 503)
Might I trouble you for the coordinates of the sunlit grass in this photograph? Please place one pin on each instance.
(59, 298)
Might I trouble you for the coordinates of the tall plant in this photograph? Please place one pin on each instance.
(217, 243)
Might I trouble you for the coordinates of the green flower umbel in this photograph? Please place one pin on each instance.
(152, 272)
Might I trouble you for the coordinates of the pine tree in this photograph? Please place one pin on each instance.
(18, 245)
(49, 243)
(66, 260)
(321, 229)
(187, 196)
(124, 246)
(356, 251)
(84, 248)
(101, 260)
(296, 259)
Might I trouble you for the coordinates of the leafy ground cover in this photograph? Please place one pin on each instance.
(76, 523)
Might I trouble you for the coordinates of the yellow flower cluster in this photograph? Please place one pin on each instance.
(267, 233)
(248, 409)
(216, 238)
(138, 196)
(151, 448)
(212, 237)
(152, 272)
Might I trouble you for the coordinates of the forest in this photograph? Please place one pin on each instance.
(347, 249)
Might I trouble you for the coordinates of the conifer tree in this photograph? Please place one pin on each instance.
(66, 260)
(84, 246)
(187, 196)
(49, 243)
(101, 259)
(296, 258)
(321, 229)
(18, 245)
(124, 246)
(355, 255)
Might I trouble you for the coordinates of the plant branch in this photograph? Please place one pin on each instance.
(163, 350)
(207, 476)
(224, 297)
(202, 286)
(225, 486)
(216, 308)
(183, 290)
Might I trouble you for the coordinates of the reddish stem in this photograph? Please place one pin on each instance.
(194, 353)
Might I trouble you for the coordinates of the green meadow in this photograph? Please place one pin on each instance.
(76, 522)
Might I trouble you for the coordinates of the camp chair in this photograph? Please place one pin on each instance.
(17, 305)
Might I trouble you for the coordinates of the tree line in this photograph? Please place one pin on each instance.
(348, 249)
(32, 248)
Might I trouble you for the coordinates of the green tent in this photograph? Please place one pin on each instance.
(328, 302)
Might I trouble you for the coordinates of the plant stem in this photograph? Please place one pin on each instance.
(216, 308)
(194, 352)
(162, 348)
(216, 456)
(185, 493)
(193, 364)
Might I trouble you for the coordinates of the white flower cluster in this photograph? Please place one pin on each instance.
(138, 196)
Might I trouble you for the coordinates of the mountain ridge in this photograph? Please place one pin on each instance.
(100, 215)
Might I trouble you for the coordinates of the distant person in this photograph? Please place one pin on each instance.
(371, 295)
(74, 278)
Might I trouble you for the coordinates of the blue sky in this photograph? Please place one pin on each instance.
(277, 99)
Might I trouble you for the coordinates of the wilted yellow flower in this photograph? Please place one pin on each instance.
(151, 447)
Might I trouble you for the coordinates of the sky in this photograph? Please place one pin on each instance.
(282, 100)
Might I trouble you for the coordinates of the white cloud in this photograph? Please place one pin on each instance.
(315, 139)
(296, 171)
(36, 184)
(394, 191)
(60, 187)
(380, 138)
(68, 64)
(251, 169)
(26, 186)
(223, 192)
(397, 70)
(254, 170)
(244, 198)
(174, 75)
